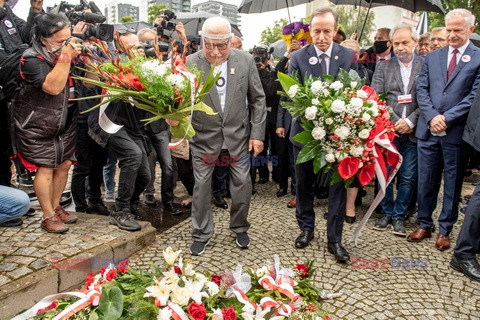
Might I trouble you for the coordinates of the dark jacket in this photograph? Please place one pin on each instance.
(44, 126)
(471, 133)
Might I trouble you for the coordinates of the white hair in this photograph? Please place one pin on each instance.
(144, 31)
(404, 26)
(468, 17)
(216, 27)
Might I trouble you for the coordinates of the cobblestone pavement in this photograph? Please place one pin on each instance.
(436, 292)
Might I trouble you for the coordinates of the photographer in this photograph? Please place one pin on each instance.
(162, 23)
(44, 112)
(13, 33)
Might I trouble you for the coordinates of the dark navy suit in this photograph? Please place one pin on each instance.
(300, 61)
(452, 98)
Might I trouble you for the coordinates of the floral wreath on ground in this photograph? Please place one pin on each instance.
(177, 291)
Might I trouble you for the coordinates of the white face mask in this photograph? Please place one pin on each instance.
(54, 48)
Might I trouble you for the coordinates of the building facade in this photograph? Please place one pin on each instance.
(114, 11)
(219, 8)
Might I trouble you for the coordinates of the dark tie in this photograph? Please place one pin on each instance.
(323, 63)
(452, 64)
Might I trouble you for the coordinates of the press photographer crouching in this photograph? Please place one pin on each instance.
(268, 76)
(44, 115)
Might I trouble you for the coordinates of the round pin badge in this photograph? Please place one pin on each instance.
(466, 58)
(313, 60)
(8, 23)
(220, 82)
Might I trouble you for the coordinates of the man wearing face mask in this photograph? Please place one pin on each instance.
(381, 51)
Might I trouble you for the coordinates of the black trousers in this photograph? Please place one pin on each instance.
(468, 241)
(286, 163)
(5, 146)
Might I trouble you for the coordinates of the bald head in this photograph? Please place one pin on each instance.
(217, 26)
(216, 36)
(237, 43)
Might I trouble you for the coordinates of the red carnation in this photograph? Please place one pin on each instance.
(51, 306)
(123, 266)
(111, 274)
(229, 313)
(197, 311)
(89, 280)
(216, 279)
(302, 270)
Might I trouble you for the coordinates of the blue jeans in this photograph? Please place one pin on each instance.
(407, 180)
(14, 203)
(109, 173)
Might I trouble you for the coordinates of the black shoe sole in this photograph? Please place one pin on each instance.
(115, 223)
(339, 260)
(457, 268)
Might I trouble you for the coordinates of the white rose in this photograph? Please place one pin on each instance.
(330, 157)
(292, 92)
(180, 296)
(337, 85)
(315, 102)
(362, 94)
(356, 151)
(329, 121)
(338, 106)
(354, 84)
(318, 133)
(356, 102)
(164, 314)
(342, 132)
(366, 116)
(374, 111)
(364, 134)
(316, 87)
(310, 113)
(212, 288)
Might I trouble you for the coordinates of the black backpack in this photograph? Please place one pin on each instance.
(10, 78)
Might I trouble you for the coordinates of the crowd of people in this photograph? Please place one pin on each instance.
(431, 84)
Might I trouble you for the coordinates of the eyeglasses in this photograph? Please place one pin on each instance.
(438, 39)
(220, 46)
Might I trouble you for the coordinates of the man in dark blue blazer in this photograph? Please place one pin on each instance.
(321, 57)
(446, 88)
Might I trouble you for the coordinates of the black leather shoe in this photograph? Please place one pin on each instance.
(340, 253)
(469, 267)
(304, 239)
(169, 207)
(281, 192)
(350, 220)
(220, 202)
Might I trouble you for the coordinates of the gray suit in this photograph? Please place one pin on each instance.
(231, 128)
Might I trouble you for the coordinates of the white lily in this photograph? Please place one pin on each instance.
(258, 315)
(160, 291)
(170, 256)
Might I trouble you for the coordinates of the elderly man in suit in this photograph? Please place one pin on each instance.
(446, 87)
(468, 241)
(233, 132)
(321, 57)
(397, 78)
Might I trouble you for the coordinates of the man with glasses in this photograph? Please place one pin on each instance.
(234, 132)
(438, 38)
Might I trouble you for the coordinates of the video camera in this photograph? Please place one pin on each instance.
(149, 48)
(166, 24)
(75, 14)
(261, 54)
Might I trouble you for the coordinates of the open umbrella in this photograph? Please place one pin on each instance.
(475, 38)
(193, 22)
(259, 6)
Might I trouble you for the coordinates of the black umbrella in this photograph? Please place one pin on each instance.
(475, 38)
(193, 22)
(259, 6)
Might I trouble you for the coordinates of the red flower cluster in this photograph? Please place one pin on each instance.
(89, 280)
(229, 313)
(216, 279)
(123, 266)
(197, 311)
(51, 306)
(302, 270)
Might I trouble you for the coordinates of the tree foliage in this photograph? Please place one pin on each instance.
(272, 34)
(126, 19)
(438, 20)
(155, 9)
(349, 20)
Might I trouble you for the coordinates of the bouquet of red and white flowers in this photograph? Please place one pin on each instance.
(177, 291)
(343, 123)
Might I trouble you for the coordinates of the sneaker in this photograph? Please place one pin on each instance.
(243, 241)
(65, 216)
(12, 223)
(399, 228)
(124, 220)
(135, 213)
(110, 197)
(24, 180)
(198, 247)
(383, 223)
(149, 200)
(98, 208)
(54, 224)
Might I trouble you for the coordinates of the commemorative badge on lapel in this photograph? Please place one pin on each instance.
(232, 70)
(406, 98)
(313, 60)
(466, 58)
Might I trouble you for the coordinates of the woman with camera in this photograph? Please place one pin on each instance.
(44, 115)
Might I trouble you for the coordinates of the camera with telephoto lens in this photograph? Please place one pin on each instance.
(75, 14)
(166, 24)
(149, 48)
(261, 54)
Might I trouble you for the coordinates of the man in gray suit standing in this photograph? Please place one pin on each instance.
(237, 130)
(397, 78)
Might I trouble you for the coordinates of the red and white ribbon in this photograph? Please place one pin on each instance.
(284, 286)
(383, 178)
(177, 311)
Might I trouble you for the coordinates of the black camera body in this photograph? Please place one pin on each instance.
(261, 54)
(149, 48)
(166, 24)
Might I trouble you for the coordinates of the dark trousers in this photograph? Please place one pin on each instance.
(468, 241)
(434, 155)
(286, 163)
(5, 146)
(185, 173)
(260, 163)
(134, 170)
(91, 159)
(220, 178)
(304, 213)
